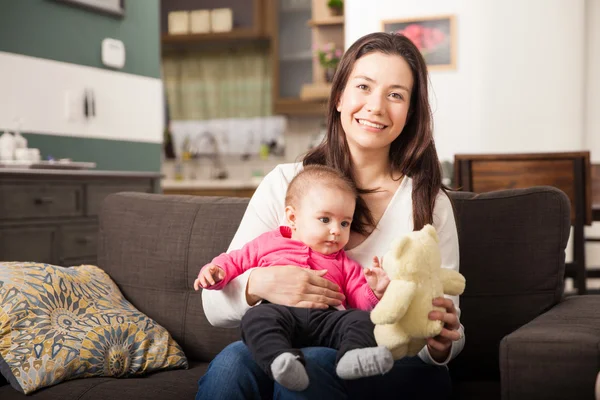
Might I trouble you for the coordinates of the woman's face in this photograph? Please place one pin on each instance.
(374, 105)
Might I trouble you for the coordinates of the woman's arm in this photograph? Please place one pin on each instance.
(450, 343)
(225, 308)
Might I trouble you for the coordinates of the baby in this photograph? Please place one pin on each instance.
(320, 204)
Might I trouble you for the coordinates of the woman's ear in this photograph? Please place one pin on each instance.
(290, 215)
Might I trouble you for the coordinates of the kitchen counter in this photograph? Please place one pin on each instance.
(252, 183)
(212, 187)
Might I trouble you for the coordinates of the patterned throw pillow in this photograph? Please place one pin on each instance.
(64, 323)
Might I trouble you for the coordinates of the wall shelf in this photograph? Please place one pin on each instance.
(299, 107)
(236, 34)
(338, 20)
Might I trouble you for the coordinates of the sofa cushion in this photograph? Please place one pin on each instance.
(153, 246)
(61, 323)
(555, 356)
(174, 384)
(512, 253)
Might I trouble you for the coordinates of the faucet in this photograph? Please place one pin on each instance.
(218, 170)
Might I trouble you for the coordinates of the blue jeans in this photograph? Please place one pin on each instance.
(233, 374)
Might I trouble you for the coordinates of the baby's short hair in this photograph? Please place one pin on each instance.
(317, 174)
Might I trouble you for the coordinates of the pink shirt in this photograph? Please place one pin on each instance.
(277, 248)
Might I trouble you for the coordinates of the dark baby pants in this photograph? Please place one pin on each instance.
(271, 329)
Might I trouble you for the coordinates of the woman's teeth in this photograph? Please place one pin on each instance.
(371, 124)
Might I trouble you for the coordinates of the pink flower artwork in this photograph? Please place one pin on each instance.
(426, 39)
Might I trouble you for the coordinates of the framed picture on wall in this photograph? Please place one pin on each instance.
(434, 36)
(111, 7)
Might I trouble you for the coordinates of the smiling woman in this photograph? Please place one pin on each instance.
(379, 135)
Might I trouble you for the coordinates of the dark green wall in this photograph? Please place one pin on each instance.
(111, 155)
(59, 31)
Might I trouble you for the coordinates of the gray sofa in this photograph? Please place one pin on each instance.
(524, 341)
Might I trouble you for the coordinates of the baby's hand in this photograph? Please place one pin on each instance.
(209, 275)
(377, 279)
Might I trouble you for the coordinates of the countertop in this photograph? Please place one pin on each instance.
(251, 183)
(77, 173)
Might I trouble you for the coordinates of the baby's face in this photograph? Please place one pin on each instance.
(323, 218)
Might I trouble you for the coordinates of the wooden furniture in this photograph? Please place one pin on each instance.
(594, 272)
(250, 24)
(292, 58)
(569, 172)
(596, 192)
(51, 215)
(326, 28)
(287, 27)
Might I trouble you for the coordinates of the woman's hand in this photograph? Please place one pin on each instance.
(440, 345)
(293, 286)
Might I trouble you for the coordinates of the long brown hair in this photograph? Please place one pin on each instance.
(412, 153)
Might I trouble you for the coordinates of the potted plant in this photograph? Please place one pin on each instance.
(329, 58)
(336, 7)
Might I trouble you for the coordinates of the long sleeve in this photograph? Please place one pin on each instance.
(444, 223)
(356, 289)
(225, 308)
(236, 262)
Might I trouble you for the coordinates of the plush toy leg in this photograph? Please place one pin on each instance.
(415, 346)
(400, 352)
(394, 338)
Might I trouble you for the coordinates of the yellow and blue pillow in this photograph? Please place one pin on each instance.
(61, 323)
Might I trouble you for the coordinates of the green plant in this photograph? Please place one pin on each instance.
(328, 55)
(335, 4)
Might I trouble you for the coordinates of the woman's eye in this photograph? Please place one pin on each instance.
(362, 86)
(324, 220)
(397, 96)
(345, 224)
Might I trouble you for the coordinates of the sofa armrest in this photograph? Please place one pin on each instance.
(555, 356)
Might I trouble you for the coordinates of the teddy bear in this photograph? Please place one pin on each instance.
(413, 265)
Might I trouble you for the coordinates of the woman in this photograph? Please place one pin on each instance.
(380, 135)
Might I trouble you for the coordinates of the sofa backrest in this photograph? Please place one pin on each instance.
(512, 246)
(512, 253)
(153, 246)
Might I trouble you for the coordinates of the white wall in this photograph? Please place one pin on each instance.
(35, 90)
(519, 82)
(593, 79)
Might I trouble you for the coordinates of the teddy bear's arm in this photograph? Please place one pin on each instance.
(394, 303)
(453, 282)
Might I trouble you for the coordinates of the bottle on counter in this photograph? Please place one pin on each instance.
(7, 146)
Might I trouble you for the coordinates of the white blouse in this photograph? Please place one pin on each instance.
(266, 211)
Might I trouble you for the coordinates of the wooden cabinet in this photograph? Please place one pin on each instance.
(250, 23)
(326, 29)
(292, 58)
(288, 27)
(52, 216)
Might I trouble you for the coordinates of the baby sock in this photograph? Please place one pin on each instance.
(289, 372)
(360, 363)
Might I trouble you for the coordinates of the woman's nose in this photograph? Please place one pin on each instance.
(374, 104)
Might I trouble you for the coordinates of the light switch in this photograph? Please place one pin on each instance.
(113, 53)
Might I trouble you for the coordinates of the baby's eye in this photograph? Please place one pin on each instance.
(324, 220)
(345, 224)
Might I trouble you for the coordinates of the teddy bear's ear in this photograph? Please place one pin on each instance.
(430, 230)
(399, 244)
